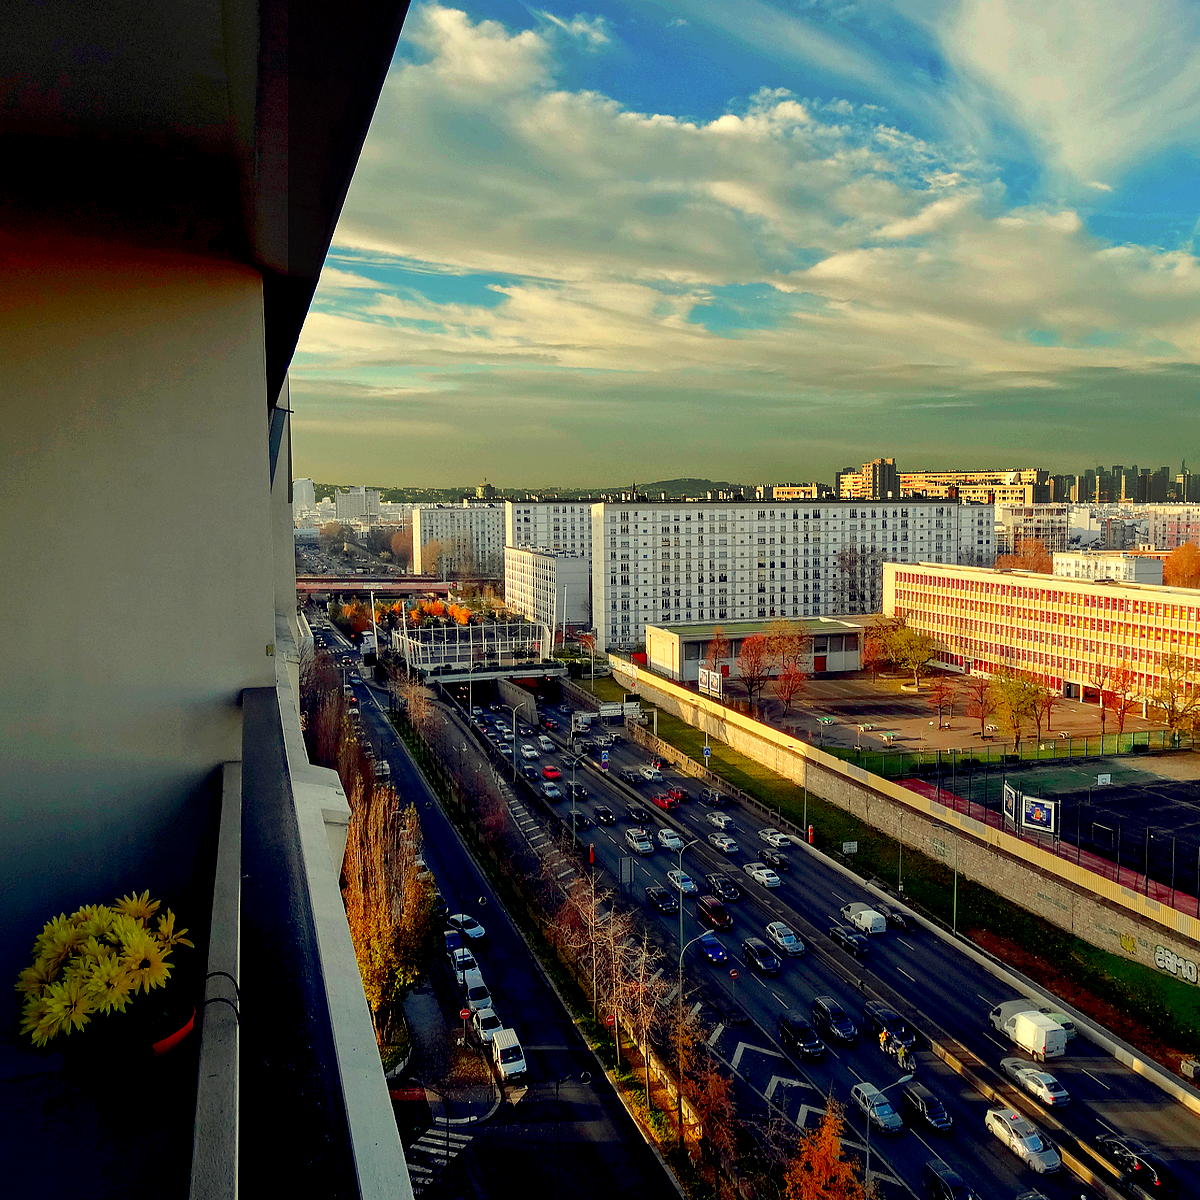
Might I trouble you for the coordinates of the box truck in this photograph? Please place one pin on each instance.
(1035, 1032)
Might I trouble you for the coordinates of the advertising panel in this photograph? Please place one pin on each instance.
(1010, 803)
(1037, 813)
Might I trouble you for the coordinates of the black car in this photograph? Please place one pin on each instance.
(712, 798)
(798, 1037)
(941, 1182)
(760, 956)
(774, 859)
(894, 917)
(925, 1108)
(576, 791)
(575, 819)
(630, 777)
(661, 899)
(638, 815)
(848, 939)
(724, 887)
(831, 1018)
(532, 774)
(879, 1018)
(604, 815)
(1142, 1172)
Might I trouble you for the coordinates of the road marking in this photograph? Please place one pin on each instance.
(908, 944)
(782, 1000)
(986, 1001)
(1099, 1081)
(716, 1033)
(996, 1041)
(905, 974)
(744, 1046)
(781, 1081)
(841, 898)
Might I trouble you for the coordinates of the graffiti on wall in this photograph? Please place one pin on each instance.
(1170, 962)
(1129, 943)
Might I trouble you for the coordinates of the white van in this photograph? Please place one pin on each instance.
(545, 743)
(507, 1054)
(863, 917)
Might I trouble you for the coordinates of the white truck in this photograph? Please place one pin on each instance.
(1035, 1032)
(865, 918)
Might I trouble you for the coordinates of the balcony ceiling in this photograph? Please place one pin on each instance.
(228, 128)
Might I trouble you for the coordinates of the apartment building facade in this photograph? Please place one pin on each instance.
(1028, 485)
(1126, 568)
(1173, 524)
(656, 563)
(548, 586)
(874, 480)
(564, 525)
(465, 539)
(359, 504)
(1069, 632)
(1049, 524)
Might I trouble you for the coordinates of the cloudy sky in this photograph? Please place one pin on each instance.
(763, 240)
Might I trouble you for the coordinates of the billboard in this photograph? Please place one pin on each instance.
(710, 682)
(1037, 813)
(1010, 803)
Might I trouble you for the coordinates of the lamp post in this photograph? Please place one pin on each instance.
(584, 1077)
(867, 1167)
(679, 1025)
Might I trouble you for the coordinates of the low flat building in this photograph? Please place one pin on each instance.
(549, 586)
(1128, 568)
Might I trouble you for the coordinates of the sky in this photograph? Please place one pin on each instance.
(763, 241)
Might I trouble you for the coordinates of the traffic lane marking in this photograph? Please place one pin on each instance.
(1101, 1082)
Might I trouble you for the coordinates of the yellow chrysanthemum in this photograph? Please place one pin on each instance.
(61, 944)
(168, 935)
(95, 920)
(52, 929)
(34, 979)
(146, 962)
(36, 1020)
(124, 929)
(109, 984)
(140, 908)
(67, 1007)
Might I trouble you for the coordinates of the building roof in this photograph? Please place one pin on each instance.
(705, 630)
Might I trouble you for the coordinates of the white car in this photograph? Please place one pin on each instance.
(1039, 1084)
(475, 991)
(682, 882)
(638, 840)
(783, 939)
(761, 873)
(651, 775)
(774, 839)
(719, 819)
(723, 842)
(467, 926)
(1021, 1136)
(485, 1022)
(462, 960)
(668, 839)
(529, 752)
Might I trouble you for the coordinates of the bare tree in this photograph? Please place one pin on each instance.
(943, 690)
(1121, 684)
(718, 649)
(788, 685)
(1176, 696)
(645, 992)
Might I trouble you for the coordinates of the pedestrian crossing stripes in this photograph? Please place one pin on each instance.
(432, 1152)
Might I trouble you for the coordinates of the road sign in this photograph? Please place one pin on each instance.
(733, 973)
(707, 751)
(604, 765)
(465, 1014)
(604, 756)
(849, 847)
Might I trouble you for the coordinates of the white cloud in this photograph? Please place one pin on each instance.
(1096, 185)
(587, 29)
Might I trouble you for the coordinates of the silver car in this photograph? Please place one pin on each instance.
(1021, 1136)
(783, 939)
(1041, 1085)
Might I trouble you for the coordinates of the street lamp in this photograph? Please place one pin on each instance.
(867, 1167)
(679, 1023)
(585, 1078)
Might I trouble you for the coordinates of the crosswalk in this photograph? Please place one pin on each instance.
(431, 1153)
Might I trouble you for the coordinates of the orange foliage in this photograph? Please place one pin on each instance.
(1031, 555)
(1182, 567)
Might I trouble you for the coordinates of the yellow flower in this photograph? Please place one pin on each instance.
(61, 943)
(67, 1008)
(94, 920)
(140, 908)
(146, 962)
(36, 1020)
(33, 979)
(167, 934)
(109, 984)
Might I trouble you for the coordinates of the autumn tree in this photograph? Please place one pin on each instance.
(1176, 695)
(788, 643)
(1031, 555)
(981, 699)
(710, 1093)
(1044, 703)
(402, 547)
(1182, 566)
(874, 654)
(754, 666)
(820, 1170)
(943, 691)
(912, 650)
(645, 992)
(1014, 693)
(1120, 684)
(718, 650)
(788, 685)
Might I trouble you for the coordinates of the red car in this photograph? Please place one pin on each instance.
(677, 793)
(551, 772)
(549, 723)
(667, 802)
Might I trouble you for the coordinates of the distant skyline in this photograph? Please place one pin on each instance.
(762, 242)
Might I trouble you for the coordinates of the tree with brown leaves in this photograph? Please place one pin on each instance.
(1031, 555)
(754, 666)
(820, 1170)
(718, 649)
(788, 685)
(941, 694)
(1181, 567)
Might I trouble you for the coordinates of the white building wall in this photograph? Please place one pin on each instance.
(1128, 568)
(469, 532)
(564, 525)
(304, 495)
(1047, 523)
(548, 587)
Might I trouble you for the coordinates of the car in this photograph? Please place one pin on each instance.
(923, 1106)
(630, 777)
(1140, 1167)
(602, 740)
(551, 791)
(711, 948)
(476, 711)
(639, 816)
(475, 991)
(506, 735)
(1021, 1136)
(774, 859)
(711, 798)
(893, 916)
(549, 723)
(638, 840)
(462, 961)
(723, 842)
(1068, 1025)
(531, 773)
(529, 752)
(761, 957)
(663, 801)
(651, 774)
(762, 874)
(454, 940)
(1039, 1084)
(440, 907)
(833, 1020)
(798, 1037)
(677, 794)
(470, 928)
(774, 838)
(668, 839)
(880, 1018)
(849, 940)
(784, 940)
(939, 1181)
(576, 819)
(604, 815)
(724, 887)
(550, 771)
(876, 1107)
(682, 882)
(577, 791)
(661, 899)
(720, 820)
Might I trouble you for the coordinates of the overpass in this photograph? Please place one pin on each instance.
(383, 585)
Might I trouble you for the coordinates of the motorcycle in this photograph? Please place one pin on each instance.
(899, 1054)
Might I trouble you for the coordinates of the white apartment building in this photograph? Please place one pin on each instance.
(463, 539)
(549, 586)
(720, 561)
(304, 495)
(1093, 564)
(357, 504)
(549, 525)
(1173, 524)
(1047, 523)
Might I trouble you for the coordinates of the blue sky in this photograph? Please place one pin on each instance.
(762, 241)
